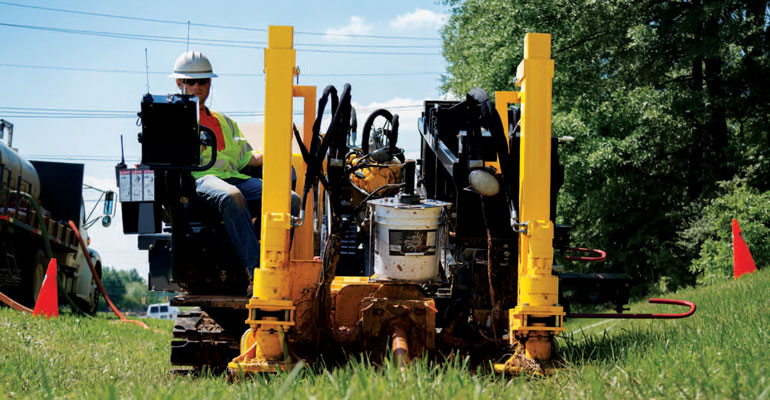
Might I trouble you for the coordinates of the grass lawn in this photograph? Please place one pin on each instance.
(723, 351)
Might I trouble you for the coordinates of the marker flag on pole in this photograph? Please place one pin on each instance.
(742, 261)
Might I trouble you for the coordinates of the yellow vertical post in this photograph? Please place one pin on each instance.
(271, 310)
(302, 244)
(276, 171)
(537, 316)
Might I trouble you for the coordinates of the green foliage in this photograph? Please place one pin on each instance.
(709, 236)
(128, 291)
(698, 357)
(112, 280)
(665, 99)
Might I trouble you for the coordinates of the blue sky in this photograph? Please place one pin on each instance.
(47, 68)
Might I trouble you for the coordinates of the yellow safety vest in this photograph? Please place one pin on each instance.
(233, 158)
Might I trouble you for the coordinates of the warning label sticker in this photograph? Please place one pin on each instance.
(136, 185)
(412, 242)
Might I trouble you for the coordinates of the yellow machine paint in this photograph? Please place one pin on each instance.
(271, 309)
(302, 247)
(371, 178)
(301, 310)
(537, 316)
(278, 283)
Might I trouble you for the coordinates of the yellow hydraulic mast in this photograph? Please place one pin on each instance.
(271, 309)
(537, 316)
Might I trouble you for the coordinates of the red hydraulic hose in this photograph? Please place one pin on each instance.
(99, 281)
(685, 303)
(599, 255)
(16, 306)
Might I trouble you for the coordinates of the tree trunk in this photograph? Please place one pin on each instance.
(717, 120)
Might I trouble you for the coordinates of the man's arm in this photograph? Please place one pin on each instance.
(255, 160)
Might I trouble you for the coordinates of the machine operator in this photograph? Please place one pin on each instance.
(236, 195)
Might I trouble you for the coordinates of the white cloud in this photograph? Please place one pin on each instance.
(357, 26)
(394, 102)
(419, 19)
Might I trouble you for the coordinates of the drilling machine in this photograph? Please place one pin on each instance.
(383, 254)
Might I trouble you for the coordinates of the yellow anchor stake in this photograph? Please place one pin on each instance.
(271, 309)
(537, 317)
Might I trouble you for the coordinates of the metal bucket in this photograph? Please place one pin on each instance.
(406, 239)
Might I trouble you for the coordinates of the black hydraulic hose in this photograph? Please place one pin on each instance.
(363, 165)
(335, 134)
(305, 153)
(393, 140)
(315, 158)
(340, 125)
(368, 127)
(374, 193)
(334, 141)
(368, 197)
(301, 144)
(335, 101)
(315, 141)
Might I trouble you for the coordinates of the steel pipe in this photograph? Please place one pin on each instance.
(400, 345)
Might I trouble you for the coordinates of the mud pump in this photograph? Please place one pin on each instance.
(452, 251)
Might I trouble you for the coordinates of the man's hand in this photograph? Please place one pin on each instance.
(255, 160)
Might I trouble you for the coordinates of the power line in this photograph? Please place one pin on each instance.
(34, 112)
(210, 25)
(71, 157)
(60, 109)
(126, 71)
(202, 42)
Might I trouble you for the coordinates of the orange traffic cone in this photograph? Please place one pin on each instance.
(48, 298)
(742, 261)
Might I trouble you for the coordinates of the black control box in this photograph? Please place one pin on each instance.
(170, 136)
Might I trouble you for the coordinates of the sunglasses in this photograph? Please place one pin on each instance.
(199, 81)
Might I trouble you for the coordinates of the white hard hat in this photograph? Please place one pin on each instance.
(192, 65)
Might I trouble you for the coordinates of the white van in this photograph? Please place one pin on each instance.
(162, 311)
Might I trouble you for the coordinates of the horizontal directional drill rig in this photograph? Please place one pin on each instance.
(419, 256)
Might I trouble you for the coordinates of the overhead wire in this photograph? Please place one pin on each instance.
(201, 41)
(126, 71)
(165, 21)
(65, 113)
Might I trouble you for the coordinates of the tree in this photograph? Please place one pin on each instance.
(128, 290)
(665, 100)
(113, 284)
